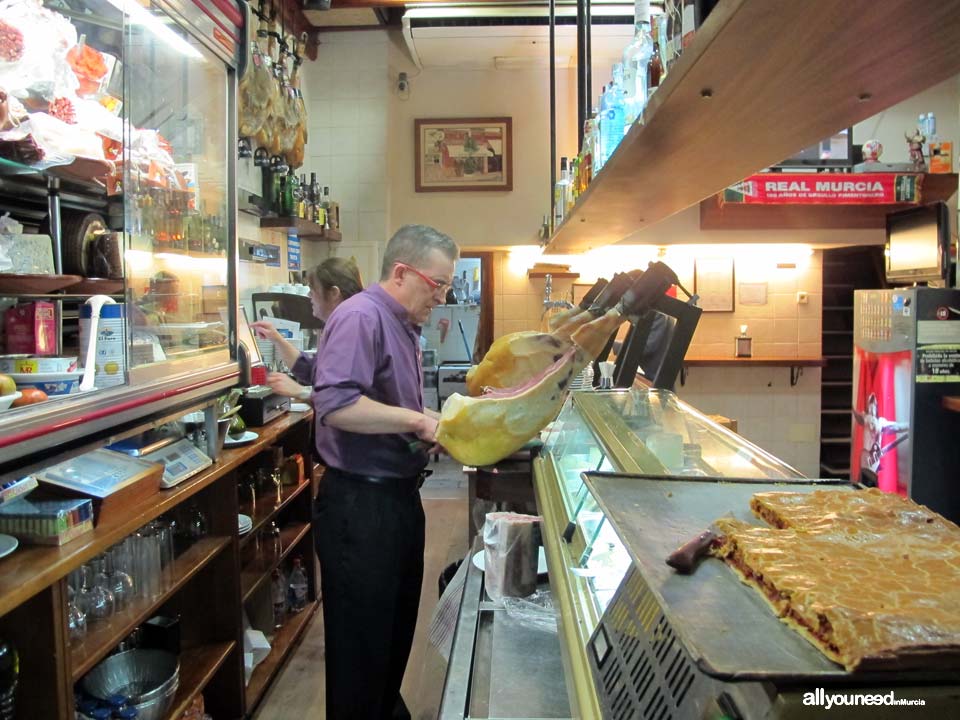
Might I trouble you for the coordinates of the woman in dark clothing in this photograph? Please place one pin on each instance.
(331, 282)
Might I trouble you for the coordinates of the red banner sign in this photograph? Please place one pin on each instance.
(826, 189)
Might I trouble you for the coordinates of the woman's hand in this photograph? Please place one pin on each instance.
(283, 384)
(266, 331)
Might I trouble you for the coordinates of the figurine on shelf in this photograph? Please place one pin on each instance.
(915, 144)
(872, 150)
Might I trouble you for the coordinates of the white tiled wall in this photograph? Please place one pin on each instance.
(349, 106)
(783, 420)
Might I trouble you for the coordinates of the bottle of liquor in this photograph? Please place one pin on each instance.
(298, 586)
(612, 116)
(9, 677)
(315, 200)
(303, 197)
(655, 68)
(326, 207)
(587, 153)
(289, 187)
(636, 60)
(560, 192)
(574, 192)
(278, 591)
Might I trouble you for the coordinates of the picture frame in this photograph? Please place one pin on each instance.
(463, 154)
(714, 282)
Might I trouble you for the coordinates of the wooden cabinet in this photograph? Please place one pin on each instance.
(207, 586)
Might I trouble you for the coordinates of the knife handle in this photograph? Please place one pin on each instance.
(684, 559)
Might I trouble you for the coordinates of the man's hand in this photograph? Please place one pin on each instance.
(285, 385)
(426, 429)
(266, 331)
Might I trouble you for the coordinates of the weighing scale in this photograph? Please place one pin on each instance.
(180, 460)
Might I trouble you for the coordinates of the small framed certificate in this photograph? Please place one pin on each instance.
(713, 281)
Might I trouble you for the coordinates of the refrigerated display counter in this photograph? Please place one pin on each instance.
(625, 478)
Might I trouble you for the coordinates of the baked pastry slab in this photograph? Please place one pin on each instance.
(870, 508)
(868, 591)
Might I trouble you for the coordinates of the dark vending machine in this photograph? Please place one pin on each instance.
(906, 359)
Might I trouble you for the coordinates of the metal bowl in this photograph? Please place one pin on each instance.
(158, 707)
(147, 677)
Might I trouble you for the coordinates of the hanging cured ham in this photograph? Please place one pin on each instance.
(254, 87)
(515, 357)
(479, 431)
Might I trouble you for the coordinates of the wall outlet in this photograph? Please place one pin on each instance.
(802, 297)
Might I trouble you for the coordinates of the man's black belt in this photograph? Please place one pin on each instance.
(409, 484)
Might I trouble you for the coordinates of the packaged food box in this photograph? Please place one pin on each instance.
(24, 364)
(31, 329)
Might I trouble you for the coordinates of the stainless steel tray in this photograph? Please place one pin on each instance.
(727, 628)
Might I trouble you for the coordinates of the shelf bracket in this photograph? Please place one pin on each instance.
(795, 373)
(683, 376)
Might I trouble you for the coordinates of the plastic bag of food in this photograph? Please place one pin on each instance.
(535, 611)
(10, 230)
(34, 42)
(511, 548)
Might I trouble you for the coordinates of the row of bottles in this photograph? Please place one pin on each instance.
(297, 198)
(289, 594)
(172, 220)
(937, 151)
(657, 43)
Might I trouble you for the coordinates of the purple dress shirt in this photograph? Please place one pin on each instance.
(369, 347)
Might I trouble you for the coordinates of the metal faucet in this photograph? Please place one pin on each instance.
(549, 304)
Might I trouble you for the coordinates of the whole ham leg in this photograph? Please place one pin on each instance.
(518, 356)
(479, 431)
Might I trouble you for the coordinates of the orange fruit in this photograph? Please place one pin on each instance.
(30, 396)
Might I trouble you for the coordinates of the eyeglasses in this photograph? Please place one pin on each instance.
(437, 286)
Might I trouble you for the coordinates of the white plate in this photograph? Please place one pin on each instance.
(248, 437)
(7, 545)
(541, 560)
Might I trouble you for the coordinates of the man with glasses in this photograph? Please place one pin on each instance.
(374, 435)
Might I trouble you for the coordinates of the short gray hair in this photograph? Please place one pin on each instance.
(411, 244)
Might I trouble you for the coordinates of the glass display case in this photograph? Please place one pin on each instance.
(117, 151)
(177, 215)
(640, 432)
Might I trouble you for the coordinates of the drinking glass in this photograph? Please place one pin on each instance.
(119, 581)
(95, 600)
(76, 618)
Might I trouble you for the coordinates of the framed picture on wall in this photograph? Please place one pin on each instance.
(464, 154)
(713, 281)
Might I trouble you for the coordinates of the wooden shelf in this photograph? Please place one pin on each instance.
(34, 567)
(102, 636)
(754, 362)
(284, 639)
(306, 229)
(835, 470)
(740, 216)
(268, 507)
(532, 274)
(197, 666)
(254, 573)
(744, 95)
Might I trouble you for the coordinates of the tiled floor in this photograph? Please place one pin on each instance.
(298, 691)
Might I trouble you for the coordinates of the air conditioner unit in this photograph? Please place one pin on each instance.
(512, 37)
